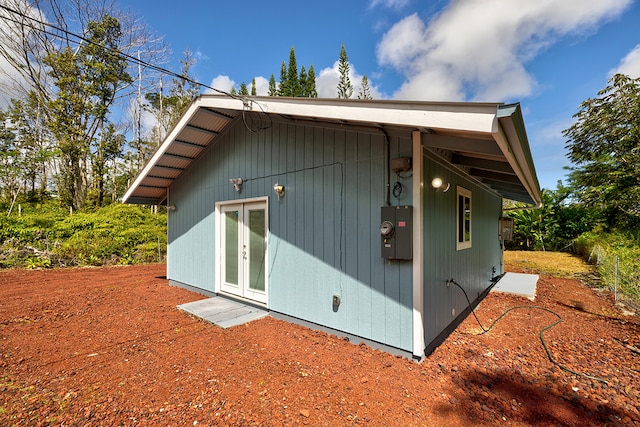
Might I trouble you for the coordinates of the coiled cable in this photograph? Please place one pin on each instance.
(542, 331)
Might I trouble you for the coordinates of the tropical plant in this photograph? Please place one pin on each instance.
(554, 226)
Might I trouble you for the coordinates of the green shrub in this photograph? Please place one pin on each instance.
(116, 234)
(33, 263)
(148, 252)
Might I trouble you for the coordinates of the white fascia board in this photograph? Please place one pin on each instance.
(510, 134)
(512, 150)
(162, 149)
(446, 116)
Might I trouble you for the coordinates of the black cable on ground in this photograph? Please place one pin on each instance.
(542, 331)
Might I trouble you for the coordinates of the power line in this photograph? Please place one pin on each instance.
(81, 39)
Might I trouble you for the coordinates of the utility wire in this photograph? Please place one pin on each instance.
(253, 126)
(114, 51)
(542, 331)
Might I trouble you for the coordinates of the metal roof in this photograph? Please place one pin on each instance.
(487, 141)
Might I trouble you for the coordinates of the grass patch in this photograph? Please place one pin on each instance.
(557, 264)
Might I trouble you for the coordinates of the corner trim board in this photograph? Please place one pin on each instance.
(418, 240)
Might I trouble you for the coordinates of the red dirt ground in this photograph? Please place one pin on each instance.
(107, 347)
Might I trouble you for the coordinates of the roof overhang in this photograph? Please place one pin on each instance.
(488, 141)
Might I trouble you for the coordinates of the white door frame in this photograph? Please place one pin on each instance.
(241, 290)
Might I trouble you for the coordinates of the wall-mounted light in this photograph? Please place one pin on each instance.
(171, 207)
(278, 189)
(237, 183)
(439, 185)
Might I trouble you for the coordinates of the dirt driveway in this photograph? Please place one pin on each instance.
(107, 347)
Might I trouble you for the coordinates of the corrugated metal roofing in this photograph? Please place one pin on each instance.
(486, 140)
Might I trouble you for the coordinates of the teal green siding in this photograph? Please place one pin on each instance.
(324, 238)
(323, 234)
(472, 268)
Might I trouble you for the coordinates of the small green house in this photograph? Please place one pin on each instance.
(344, 215)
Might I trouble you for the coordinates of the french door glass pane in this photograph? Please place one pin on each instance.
(231, 247)
(256, 249)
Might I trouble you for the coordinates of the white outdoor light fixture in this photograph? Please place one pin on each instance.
(171, 207)
(278, 189)
(438, 184)
(237, 183)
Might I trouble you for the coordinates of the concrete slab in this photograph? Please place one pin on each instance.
(521, 284)
(223, 312)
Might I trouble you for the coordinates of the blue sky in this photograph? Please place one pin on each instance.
(549, 55)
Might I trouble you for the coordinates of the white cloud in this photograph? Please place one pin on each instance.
(223, 83)
(200, 56)
(262, 86)
(477, 49)
(9, 82)
(327, 82)
(328, 78)
(629, 65)
(392, 4)
(12, 83)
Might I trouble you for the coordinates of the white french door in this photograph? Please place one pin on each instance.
(243, 240)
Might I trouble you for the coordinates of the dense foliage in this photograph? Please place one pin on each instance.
(47, 236)
(86, 80)
(64, 130)
(598, 214)
(604, 146)
(561, 225)
(554, 226)
(603, 190)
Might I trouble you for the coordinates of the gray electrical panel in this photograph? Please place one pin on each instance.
(396, 232)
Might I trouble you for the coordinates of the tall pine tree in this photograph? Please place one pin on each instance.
(273, 90)
(311, 90)
(303, 82)
(292, 83)
(365, 89)
(293, 80)
(345, 89)
(283, 89)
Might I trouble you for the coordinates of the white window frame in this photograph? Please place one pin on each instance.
(461, 224)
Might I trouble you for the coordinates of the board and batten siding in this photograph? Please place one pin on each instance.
(323, 234)
(472, 268)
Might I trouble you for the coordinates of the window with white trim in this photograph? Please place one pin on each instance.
(463, 210)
